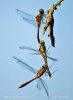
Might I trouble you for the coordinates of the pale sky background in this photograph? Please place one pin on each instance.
(15, 32)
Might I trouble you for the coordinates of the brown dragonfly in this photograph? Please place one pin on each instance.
(37, 21)
(37, 52)
(40, 18)
(42, 49)
(40, 82)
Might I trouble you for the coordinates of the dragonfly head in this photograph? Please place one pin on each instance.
(42, 42)
(41, 11)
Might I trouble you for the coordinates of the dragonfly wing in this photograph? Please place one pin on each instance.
(38, 53)
(35, 53)
(28, 48)
(48, 53)
(33, 22)
(27, 17)
(39, 84)
(48, 49)
(53, 59)
(24, 14)
(24, 65)
(44, 85)
(43, 22)
(54, 72)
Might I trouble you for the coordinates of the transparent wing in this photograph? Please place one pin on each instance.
(39, 84)
(35, 53)
(48, 49)
(33, 22)
(24, 14)
(27, 17)
(42, 84)
(53, 59)
(38, 53)
(54, 72)
(52, 64)
(24, 65)
(29, 48)
(44, 20)
(48, 53)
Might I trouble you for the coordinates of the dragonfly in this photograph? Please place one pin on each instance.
(40, 82)
(37, 52)
(31, 19)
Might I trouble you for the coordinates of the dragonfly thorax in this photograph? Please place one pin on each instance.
(41, 71)
(42, 48)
